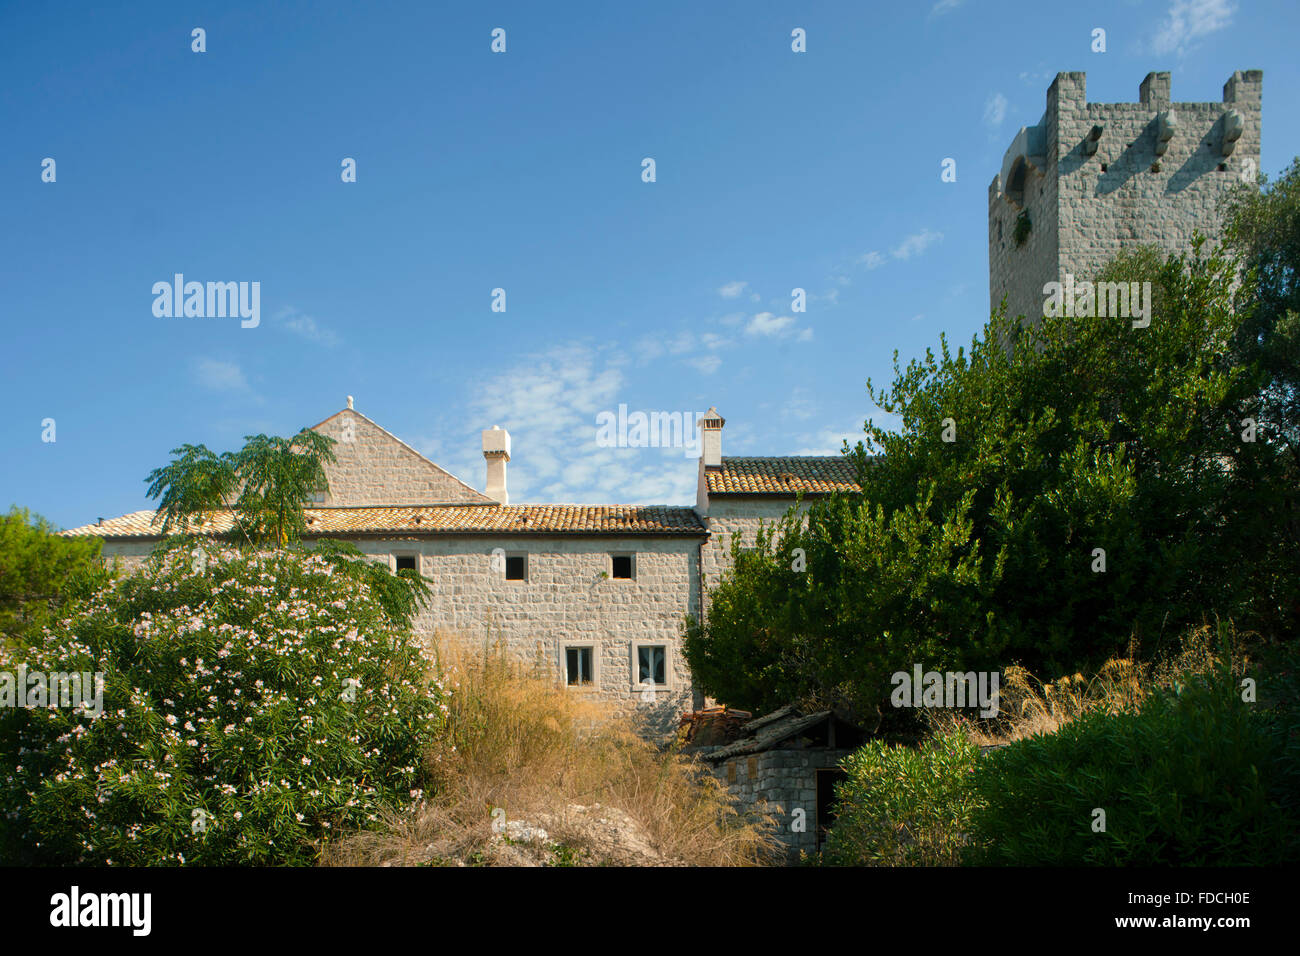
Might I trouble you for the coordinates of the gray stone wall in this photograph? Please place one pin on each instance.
(779, 782)
(376, 468)
(564, 601)
(1083, 215)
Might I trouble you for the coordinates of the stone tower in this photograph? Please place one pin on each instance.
(1092, 178)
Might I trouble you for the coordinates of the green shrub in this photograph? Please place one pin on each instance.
(230, 730)
(903, 806)
(1190, 779)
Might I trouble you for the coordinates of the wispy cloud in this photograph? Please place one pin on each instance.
(305, 326)
(829, 441)
(220, 376)
(733, 290)
(916, 244)
(1035, 79)
(945, 6)
(995, 110)
(769, 324)
(1189, 21)
(872, 260)
(549, 403)
(708, 364)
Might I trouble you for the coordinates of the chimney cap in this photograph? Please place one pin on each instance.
(349, 401)
(496, 440)
(711, 419)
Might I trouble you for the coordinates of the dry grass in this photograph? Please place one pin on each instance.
(518, 741)
(1029, 706)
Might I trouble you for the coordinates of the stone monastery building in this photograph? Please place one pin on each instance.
(598, 593)
(595, 593)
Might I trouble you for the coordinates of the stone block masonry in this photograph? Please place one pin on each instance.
(780, 782)
(374, 467)
(1153, 174)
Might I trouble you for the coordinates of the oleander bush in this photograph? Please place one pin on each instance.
(905, 806)
(254, 704)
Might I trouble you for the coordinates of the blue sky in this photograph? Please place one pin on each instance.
(523, 171)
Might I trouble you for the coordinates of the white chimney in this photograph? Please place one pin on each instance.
(496, 449)
(711, 438)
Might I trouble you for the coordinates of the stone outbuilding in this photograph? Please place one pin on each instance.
(785, 764)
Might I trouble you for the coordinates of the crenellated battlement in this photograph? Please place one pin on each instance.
(1089, 179)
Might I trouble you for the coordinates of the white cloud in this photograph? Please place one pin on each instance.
(829, 441)
(708, 364)
(945, 6)
(1035, 79)
(1189, 21)
(549, 403)
(799, 405)
(220, 376)
(872, 260)
(995, 110)
(766, 323)
(916, 244)
(732, 290)
(305, 326)
(683, 341)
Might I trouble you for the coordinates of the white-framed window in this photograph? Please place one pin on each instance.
(651, 664)
(579, 663)
(406, 561)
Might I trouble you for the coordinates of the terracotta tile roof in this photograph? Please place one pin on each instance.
(443, 519)
(782, 476)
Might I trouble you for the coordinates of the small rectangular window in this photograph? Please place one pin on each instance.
(516, 567)
(650, 665)
(577, 666)
(406, 562)
(622, 566)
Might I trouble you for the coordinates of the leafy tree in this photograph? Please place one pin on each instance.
(275, 478)
(41, 572)
(1262, 226)
(1050, 496)
(196, 482)
(279, 476)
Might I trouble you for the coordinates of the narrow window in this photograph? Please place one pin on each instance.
(516, 567)
(650, 665)
(406, 562)
(577, 666)
(623, 566)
